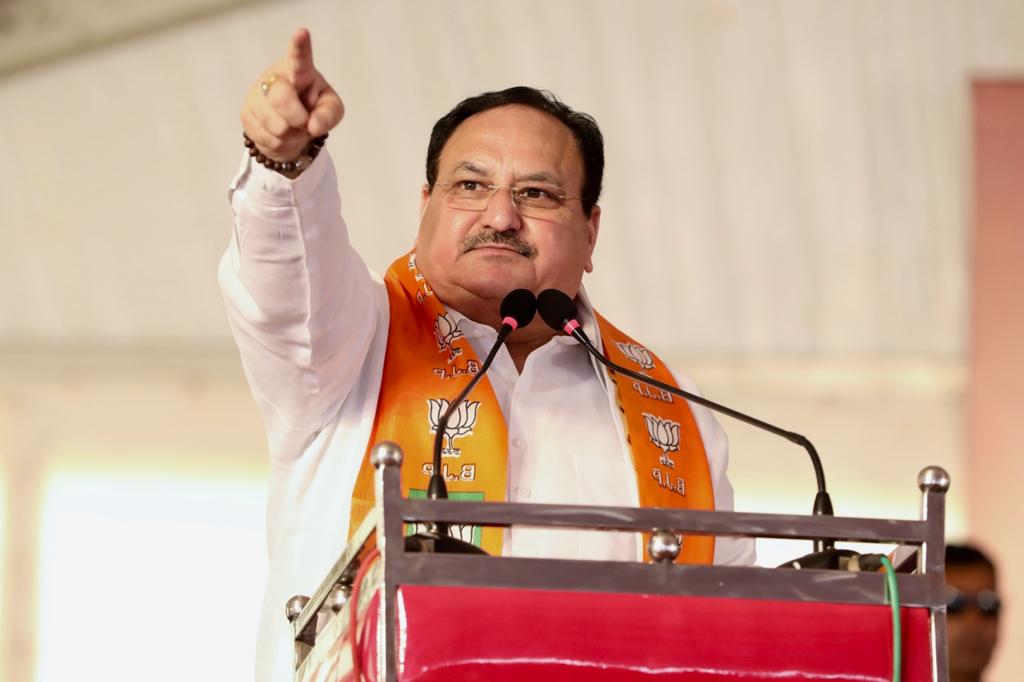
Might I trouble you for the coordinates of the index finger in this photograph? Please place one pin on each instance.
(300, 53)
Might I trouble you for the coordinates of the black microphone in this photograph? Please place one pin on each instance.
(559, 312)
(517, 310)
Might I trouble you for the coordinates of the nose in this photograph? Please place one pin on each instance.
(502, 213)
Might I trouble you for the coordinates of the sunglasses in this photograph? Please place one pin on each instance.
(986, 601)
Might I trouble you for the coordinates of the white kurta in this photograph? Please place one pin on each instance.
(311, 322)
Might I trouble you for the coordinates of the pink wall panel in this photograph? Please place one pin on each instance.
(996, 398)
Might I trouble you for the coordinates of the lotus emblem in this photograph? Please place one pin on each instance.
(446, 332)
(665, 434)
(637, 354)
(459, 424)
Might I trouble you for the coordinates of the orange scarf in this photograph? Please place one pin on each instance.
(428, 361)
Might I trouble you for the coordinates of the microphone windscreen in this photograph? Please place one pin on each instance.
(555, 308)
(520, 305)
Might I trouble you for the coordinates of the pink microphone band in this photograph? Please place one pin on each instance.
(571, 326)
(511, 321)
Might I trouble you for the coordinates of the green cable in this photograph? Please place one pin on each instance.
(892, 594)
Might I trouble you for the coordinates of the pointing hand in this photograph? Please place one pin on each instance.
(290, 104)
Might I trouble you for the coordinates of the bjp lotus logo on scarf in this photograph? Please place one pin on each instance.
(637, 354)
(665, 434)
(460, 424)
(446, 332)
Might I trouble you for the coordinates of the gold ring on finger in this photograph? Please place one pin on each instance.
(265, 85)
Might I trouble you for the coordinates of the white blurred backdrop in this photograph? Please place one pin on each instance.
(786, 217)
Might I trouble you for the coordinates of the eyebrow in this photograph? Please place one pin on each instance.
(541, 176)
(469, 166)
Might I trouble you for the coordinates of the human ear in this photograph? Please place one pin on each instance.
(593, 227)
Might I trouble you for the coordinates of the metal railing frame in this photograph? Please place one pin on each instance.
(385, 526)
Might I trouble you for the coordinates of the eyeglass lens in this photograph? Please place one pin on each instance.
(536, 200)
(986, 601)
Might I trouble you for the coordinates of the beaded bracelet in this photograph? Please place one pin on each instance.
(285, 166)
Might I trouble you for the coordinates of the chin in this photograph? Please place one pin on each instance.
(493, 278)
(494, 287)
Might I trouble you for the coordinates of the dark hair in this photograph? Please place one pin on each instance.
(968, 555)
(583, 127)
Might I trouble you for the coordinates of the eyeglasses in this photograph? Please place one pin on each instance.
(535, 200)
(986, 601)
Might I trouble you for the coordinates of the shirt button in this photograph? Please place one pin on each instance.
(519, 443)
(524, 493)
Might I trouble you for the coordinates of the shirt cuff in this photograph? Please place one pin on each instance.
(270, 188)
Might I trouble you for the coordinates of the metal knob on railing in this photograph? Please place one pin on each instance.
(337, 598)
(293, 609)
(339, 594)
(386, 454)
(664, 546)
(934, 479)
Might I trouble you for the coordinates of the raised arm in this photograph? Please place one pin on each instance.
(302, 305)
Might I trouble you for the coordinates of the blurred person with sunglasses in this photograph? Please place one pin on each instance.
(972, 612)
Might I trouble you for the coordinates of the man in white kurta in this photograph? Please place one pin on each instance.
(311, 321)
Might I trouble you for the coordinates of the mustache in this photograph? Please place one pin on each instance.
(509, 239)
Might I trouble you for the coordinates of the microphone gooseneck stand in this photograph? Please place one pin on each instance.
(559, 312)
(517, 310)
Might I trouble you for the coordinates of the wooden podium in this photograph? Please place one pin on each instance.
(422, 617)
